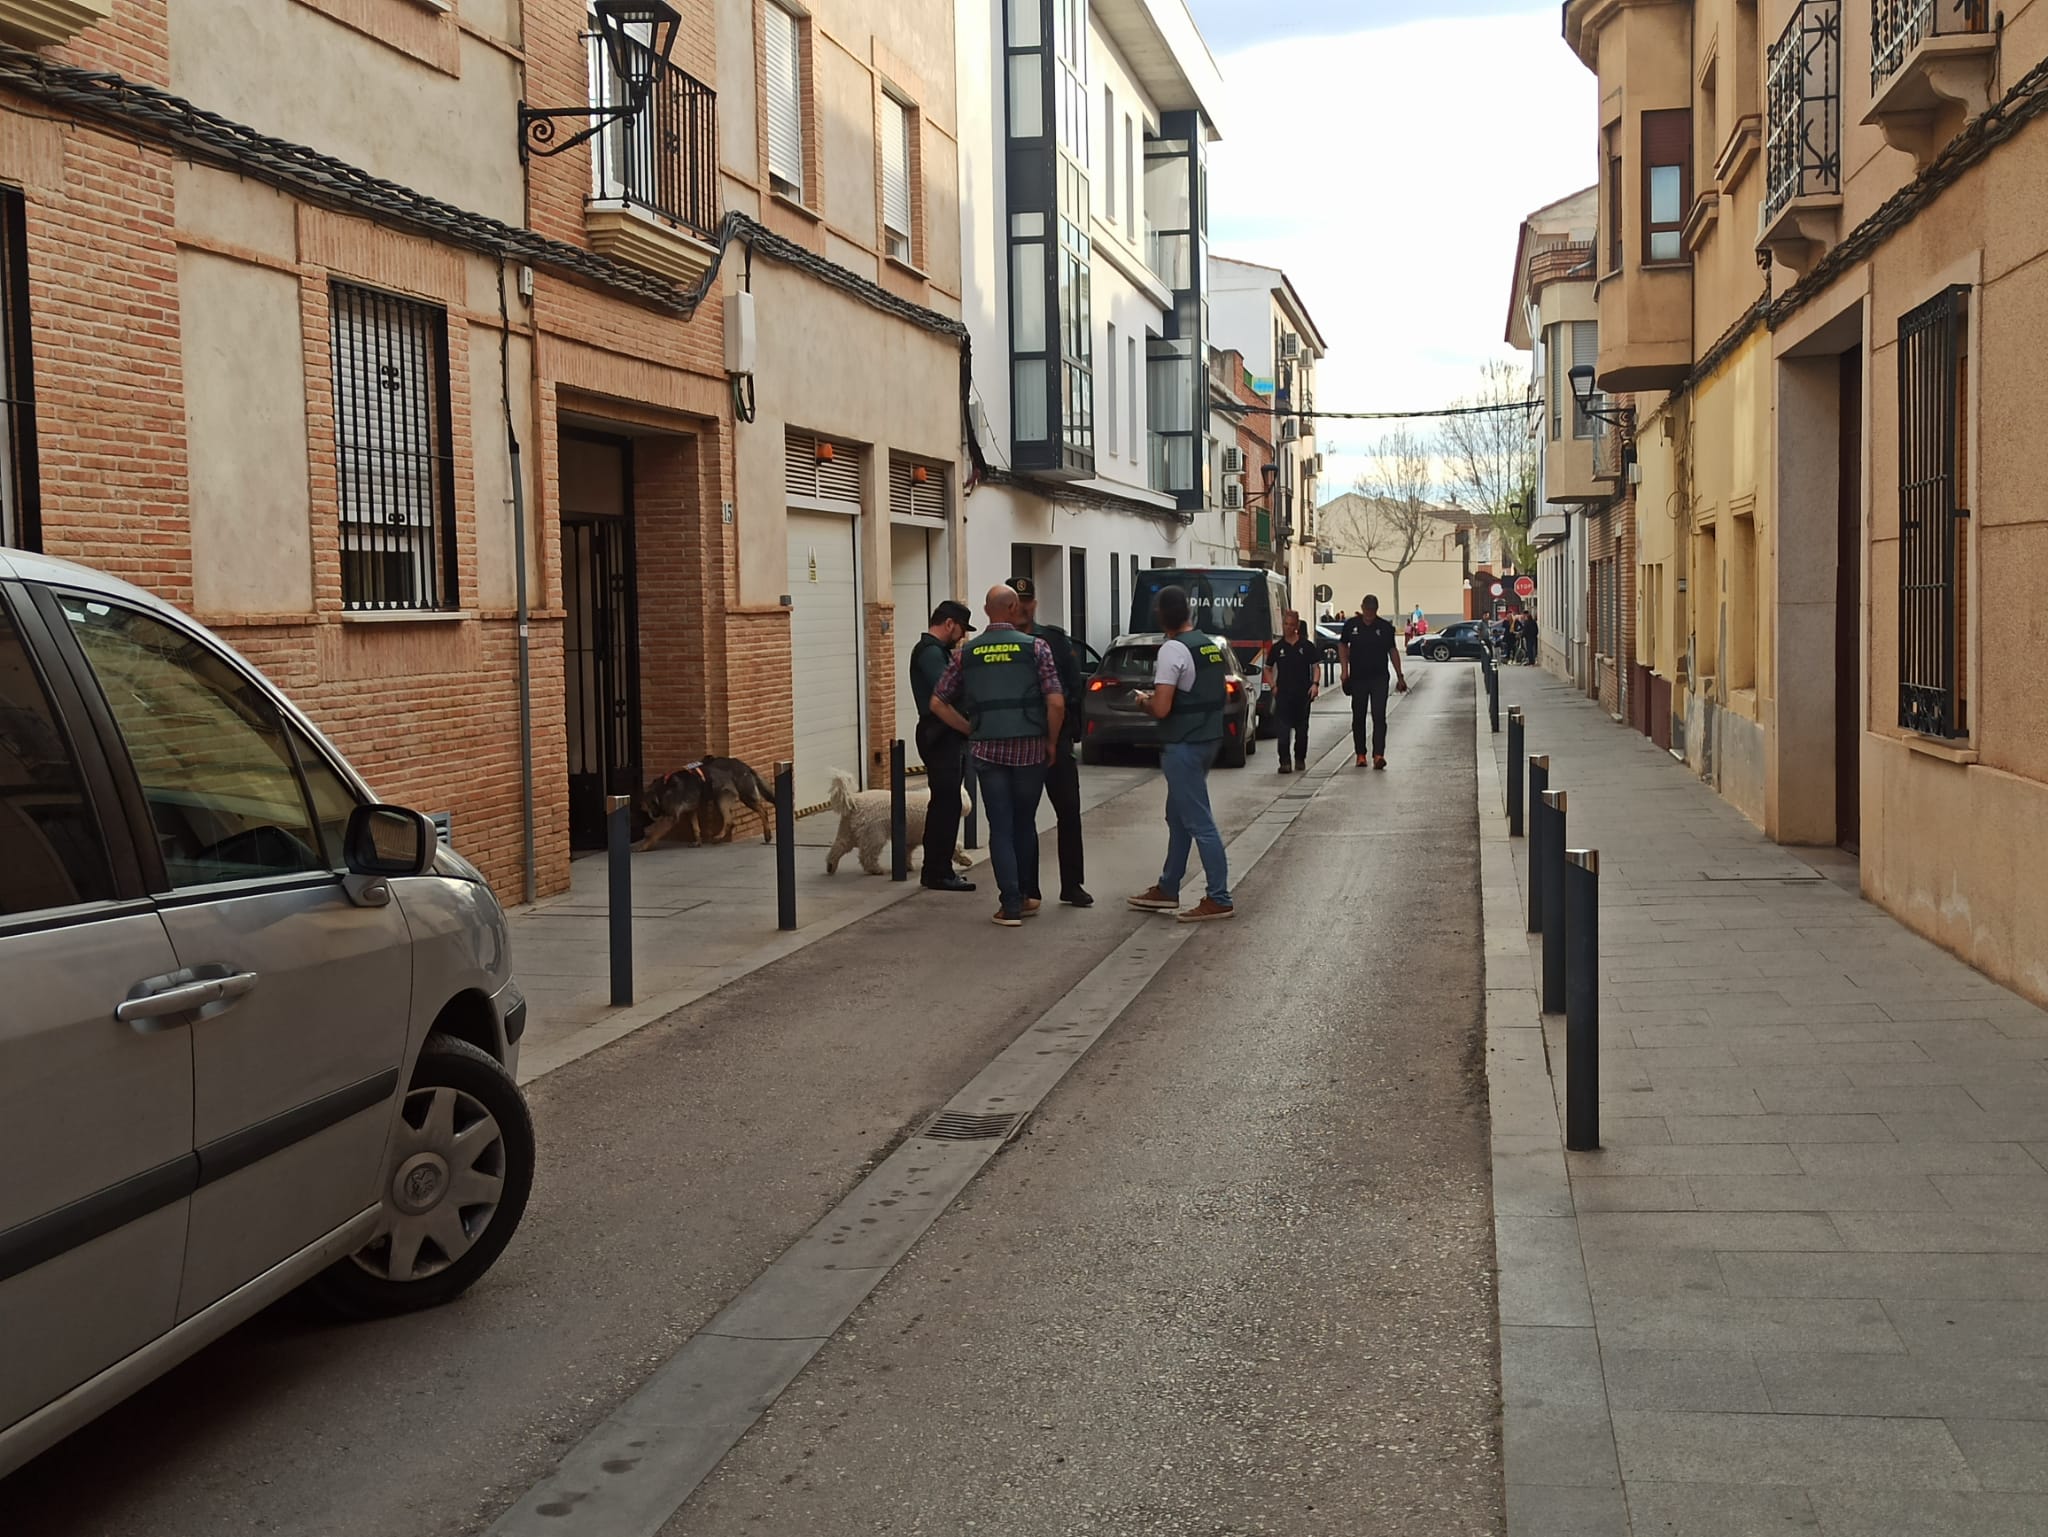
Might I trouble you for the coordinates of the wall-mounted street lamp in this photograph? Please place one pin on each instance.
(1581, 376)
(634, 64)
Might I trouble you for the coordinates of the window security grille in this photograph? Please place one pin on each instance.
(896, 158)
(910, 497)
(20, 483)
(1932, 526)
(785, 102)
(394, 451)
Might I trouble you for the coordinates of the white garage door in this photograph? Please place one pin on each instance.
(825, 675)
(912, 549)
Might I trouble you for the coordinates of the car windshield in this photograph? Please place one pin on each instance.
(1132, 664)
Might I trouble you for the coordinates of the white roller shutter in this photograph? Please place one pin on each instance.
(896, 177)
(911, 551)
(825, 649)
(785, 101)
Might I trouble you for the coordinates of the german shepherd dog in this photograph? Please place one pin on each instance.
(701, 798)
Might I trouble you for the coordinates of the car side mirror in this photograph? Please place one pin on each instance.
(385, 841)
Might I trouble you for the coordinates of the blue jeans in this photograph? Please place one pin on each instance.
(1189, 822)
(1009, 799)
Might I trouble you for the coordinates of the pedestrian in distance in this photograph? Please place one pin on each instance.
(1364, 650)
(1291, 667)
(1002, 692)
(941, 749)
(1187, 698)
(1530, 631)
(1063, 777)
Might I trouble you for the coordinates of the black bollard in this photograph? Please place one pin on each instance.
(1539, 781)
(899, 813)
(972, 837)
(1582, 1000)
(619, 867)
(1492, 694)
(785, 846)
(1553, 833)
(1515, 750)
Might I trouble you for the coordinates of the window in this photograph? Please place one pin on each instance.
(1742, 607)
(1933, 526)
(1116, 587)
(1131, 388)
(20, 485)
(1115, 402)
(1559, 386)
(217, 771)
(1614, 243)
(1109, 155)
(898, 159)
(1130, 178)
(1667, 183)
(394, 451)
(1077, 594)
(50, 849)
(785, 102)
(1585, 339)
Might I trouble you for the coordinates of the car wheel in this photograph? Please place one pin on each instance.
(1440, 652)
(1091, 755)
(1232, 752)
(454, 1187)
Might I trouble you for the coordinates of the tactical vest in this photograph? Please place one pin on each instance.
(1197, 713)
(999, 688)
(923, 677)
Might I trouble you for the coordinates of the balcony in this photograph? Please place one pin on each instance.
(42, 23)
(1262, 533)
(1930, 70)
(1802, 207)
(654, 176)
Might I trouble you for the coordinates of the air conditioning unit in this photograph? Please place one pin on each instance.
(1315, 465)
(1233, 498)
(1290, 430)
(1290, 345)
(1233, 461)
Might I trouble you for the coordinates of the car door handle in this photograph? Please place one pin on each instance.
(167, 997)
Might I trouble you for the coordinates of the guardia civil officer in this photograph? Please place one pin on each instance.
(942, 750)
(1187, 699)
(1063, 777)
(1002, 690)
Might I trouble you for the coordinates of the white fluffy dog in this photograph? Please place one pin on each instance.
(864, 824)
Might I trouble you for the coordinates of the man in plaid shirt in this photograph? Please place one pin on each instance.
(1002, 689)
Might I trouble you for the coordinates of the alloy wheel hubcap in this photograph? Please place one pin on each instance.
(447, 1177)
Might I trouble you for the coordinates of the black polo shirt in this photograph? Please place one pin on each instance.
(1294, 665)
(1372, 645)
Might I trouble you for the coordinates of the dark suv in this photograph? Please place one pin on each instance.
(1112, 717)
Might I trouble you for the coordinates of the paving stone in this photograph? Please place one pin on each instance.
(1804, 1075)
(1633, 1130)
(1873, 1513)
(1631, 1193)
(1954, 1276)
(1718, 1510)
(1994, 1192)
(1966, 1073)
(1687, 1102)
(1540, 1367)
(2005, 1454)
(1709, 1230)
(1689, 1158)
(1569, 1444)
(1779, 1128)
(1536, 1510)
(1952, 1327)
(1807, 1382)
(1807, 1099)
(1943, 1233)
(1542, 1277)
(1694, 1322)
(1806, 1192)
(1652, 1272)
(1824, 1054)
(1709, 1381)
(1795, 1450)
(1828, 1158)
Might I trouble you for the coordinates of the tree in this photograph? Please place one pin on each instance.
(1389, 518)
(1490, 459)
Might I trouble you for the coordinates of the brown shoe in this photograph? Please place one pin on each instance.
(1008, 920)
(1379, 763)
(1153, 900)
(1361, 760)
(1031, 906)
(1206, 911)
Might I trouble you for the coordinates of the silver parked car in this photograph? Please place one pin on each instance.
(256, 1030)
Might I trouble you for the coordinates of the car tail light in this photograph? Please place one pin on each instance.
(1097, 686)
(1231, 685)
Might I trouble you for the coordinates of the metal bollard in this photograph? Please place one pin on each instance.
(1539, 781)
(899, 813)
(785, 846)
(1516, 747)
(1582, 1000)
(971, 784)
(618, 818)
(1492, 693)
(1553, 832)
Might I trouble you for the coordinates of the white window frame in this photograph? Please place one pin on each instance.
(783, 48)
(1109, 391)
(899, 161)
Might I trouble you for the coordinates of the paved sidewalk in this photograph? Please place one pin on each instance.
(702, 918)
(1804, 1288)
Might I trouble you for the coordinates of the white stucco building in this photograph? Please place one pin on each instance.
(1084, 127)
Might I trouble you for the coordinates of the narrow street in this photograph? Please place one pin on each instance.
(1234, 1276)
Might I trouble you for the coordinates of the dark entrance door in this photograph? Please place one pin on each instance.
(600, 638)
(1849, 609)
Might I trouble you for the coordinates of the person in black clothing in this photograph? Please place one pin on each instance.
(1292, 663)
(943, 749)
(1063, 777)
(1364, 648)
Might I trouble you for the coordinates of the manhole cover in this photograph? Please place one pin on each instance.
(958, 1126)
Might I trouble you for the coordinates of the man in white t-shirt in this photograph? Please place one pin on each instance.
(1190, 686)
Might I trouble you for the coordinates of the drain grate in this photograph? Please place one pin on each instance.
(958, 1126)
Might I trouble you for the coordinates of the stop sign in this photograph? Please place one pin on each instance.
(1525, 586)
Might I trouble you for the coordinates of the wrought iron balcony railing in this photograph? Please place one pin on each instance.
(664, 158)
(1897, 27)
(1803, 153)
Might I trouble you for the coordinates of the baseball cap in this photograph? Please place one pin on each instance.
(1023, 586)
(955, 611)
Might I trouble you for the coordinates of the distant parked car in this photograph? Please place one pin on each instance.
(1112, 717)
(1466, 639)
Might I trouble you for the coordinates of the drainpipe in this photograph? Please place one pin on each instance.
(519, 601)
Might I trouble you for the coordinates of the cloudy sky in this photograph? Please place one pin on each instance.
(1384, 152)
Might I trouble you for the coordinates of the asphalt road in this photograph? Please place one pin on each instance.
(1234, 1277)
